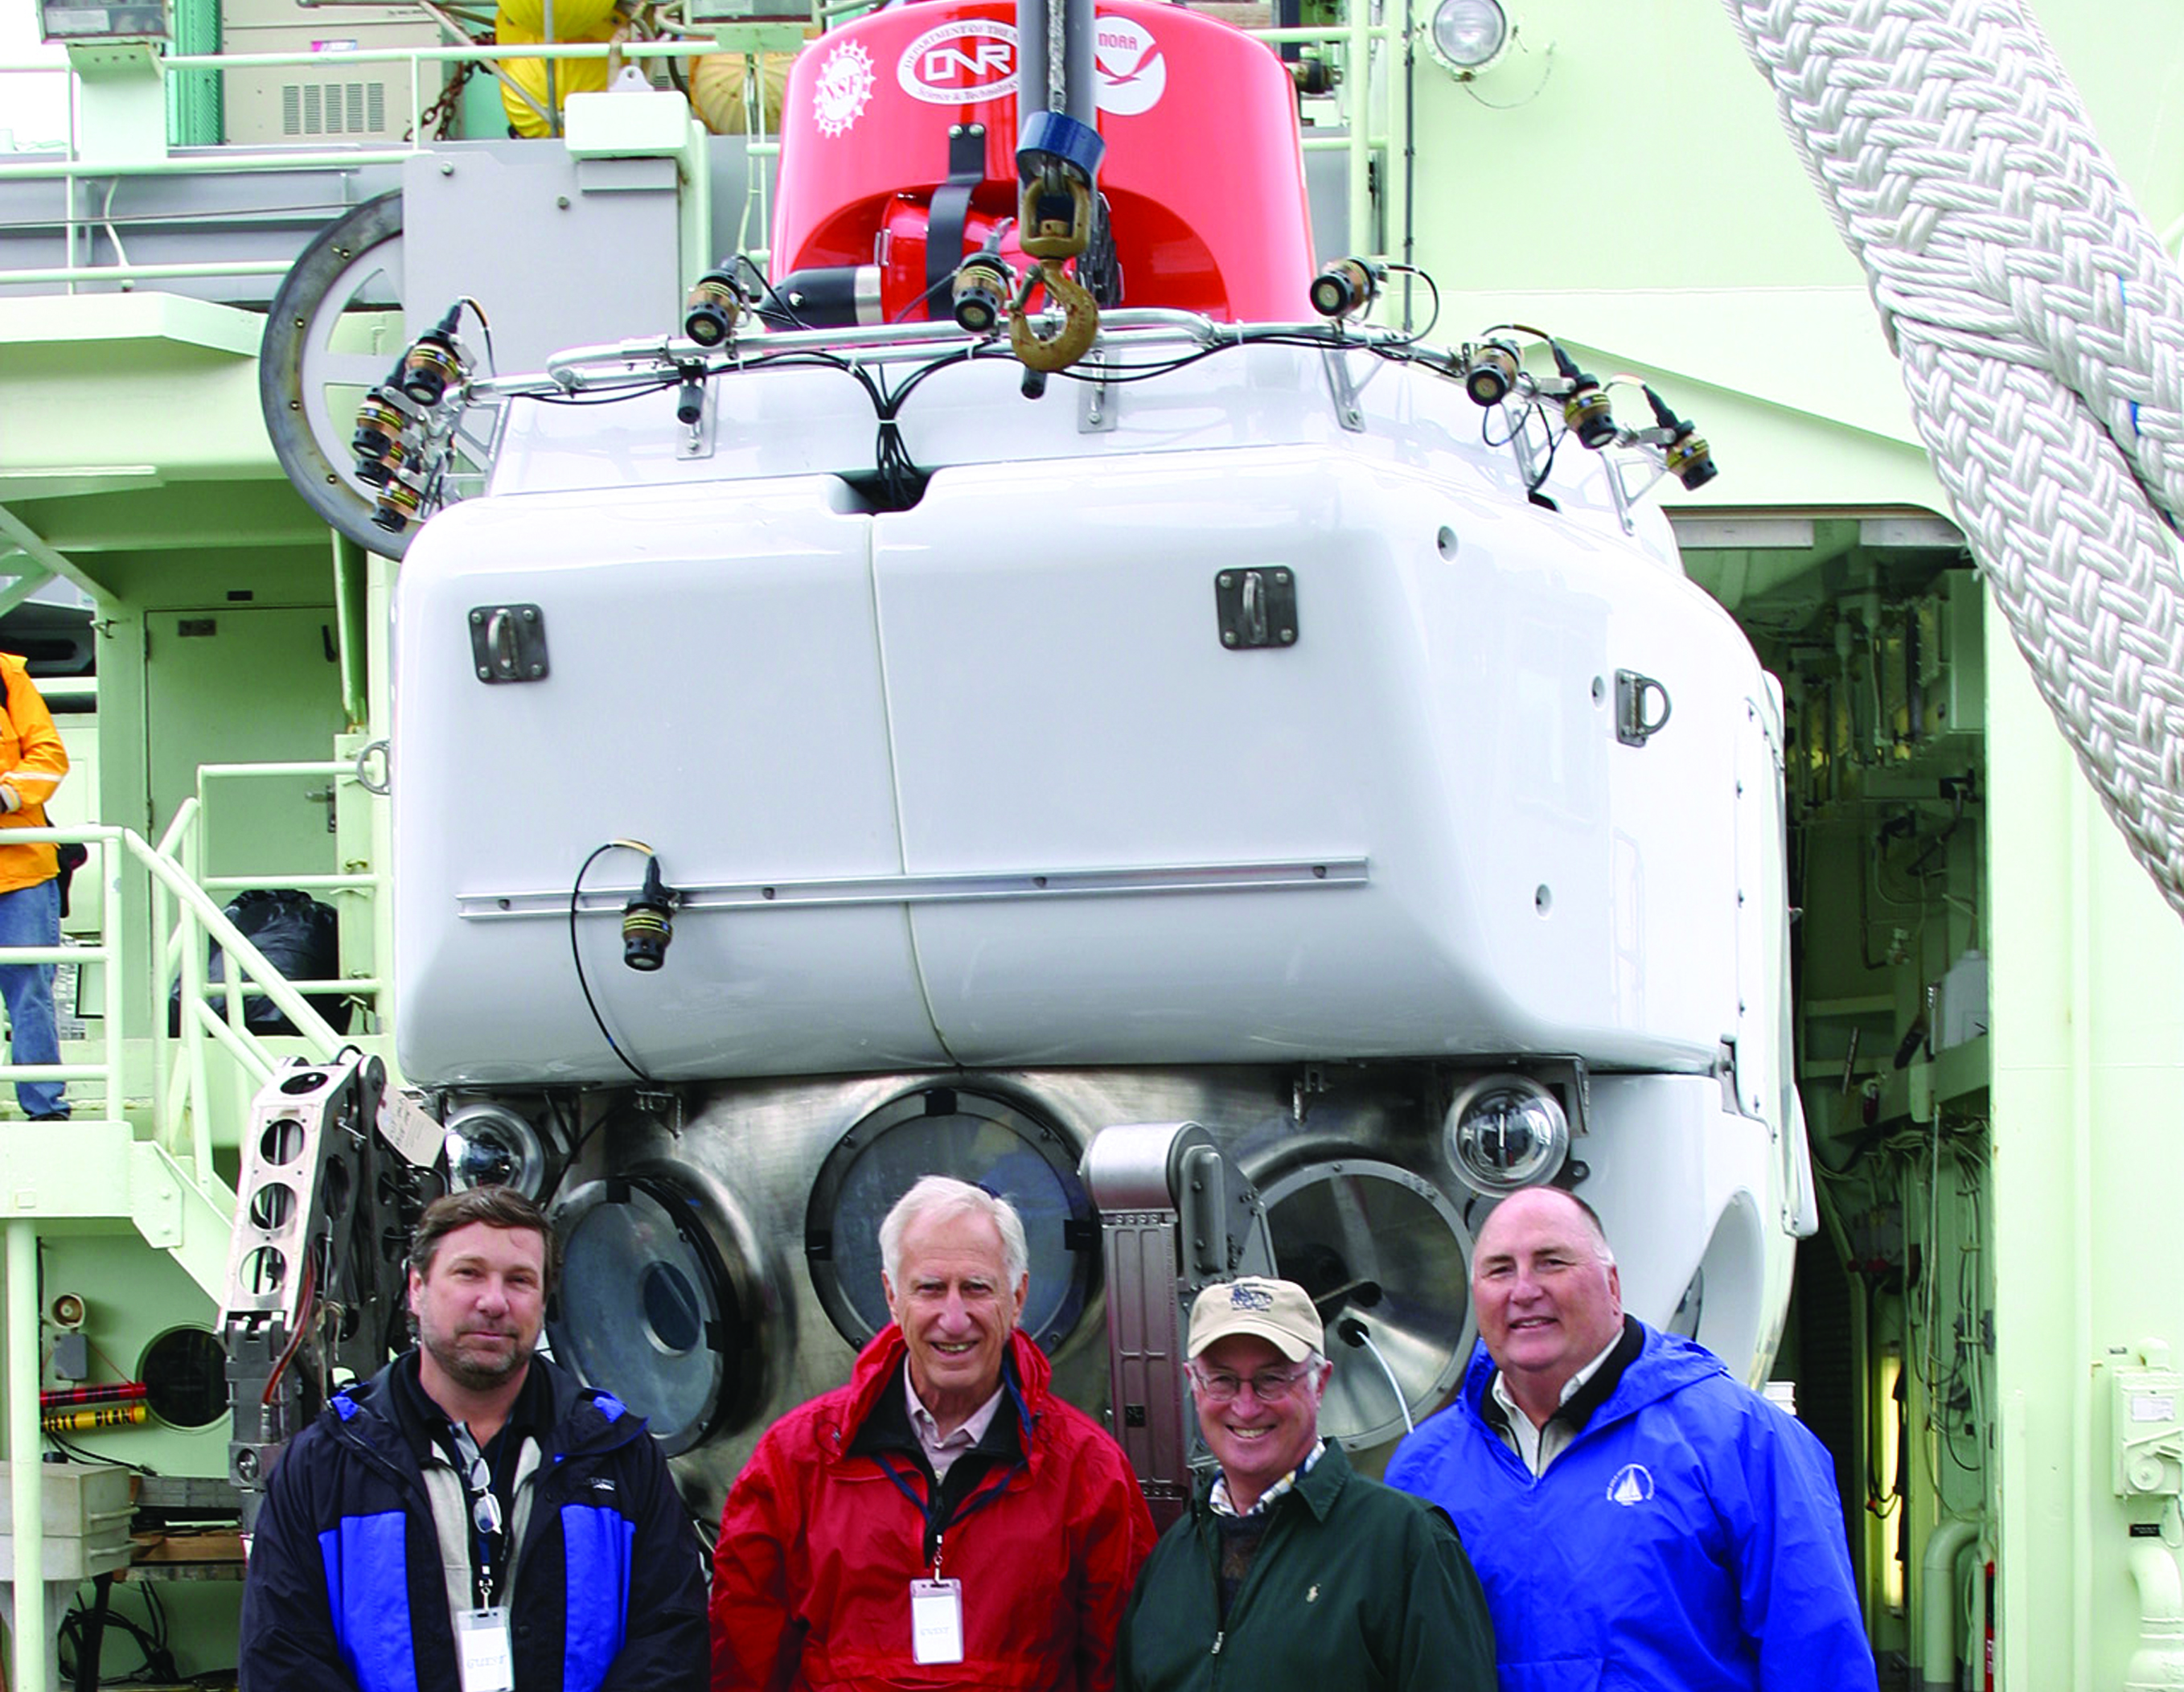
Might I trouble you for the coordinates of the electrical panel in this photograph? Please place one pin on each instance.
(2150, 1433)
(346, 100)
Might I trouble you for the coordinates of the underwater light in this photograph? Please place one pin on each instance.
(1506, 1131)
(980, 298)
(489, 1145)
(709, 313)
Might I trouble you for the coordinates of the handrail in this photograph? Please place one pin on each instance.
(248, 971)
(1359, 41)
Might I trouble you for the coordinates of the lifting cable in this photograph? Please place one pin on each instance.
(2040, 327)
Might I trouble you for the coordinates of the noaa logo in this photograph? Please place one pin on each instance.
(844, 88)
(1633, 1484)
(1132, 74)
(974, 58)
(1243, 1298)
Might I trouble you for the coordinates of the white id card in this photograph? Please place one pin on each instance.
(481, 1650)
(936, 1621)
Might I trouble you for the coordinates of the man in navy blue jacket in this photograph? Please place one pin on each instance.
(471, 1520)
(1639, 1519)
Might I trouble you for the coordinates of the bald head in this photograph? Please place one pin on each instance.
(1535, 1202)
(1548, 1298)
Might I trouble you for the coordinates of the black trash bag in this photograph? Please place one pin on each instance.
(299, 936)
(69, 857)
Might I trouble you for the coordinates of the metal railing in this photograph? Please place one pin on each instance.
(1364, 50)
(212, 1016)
(40, 1184)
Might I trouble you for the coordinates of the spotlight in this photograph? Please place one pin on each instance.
(398, 501)
(432, 363)
(1685, 453)
(1504, 1132)
(1490, 372)
(982, 287)
(710, 315)
(489, 1145)
(1584, 407)
(1690, 460)
(648, 922)
(1470, 36)
(1346, 288)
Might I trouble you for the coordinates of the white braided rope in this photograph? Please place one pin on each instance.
(2040, 326)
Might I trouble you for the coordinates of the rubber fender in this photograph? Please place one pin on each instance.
(570, 76)
(716, 91)
(574, 20)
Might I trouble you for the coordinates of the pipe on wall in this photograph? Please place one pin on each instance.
(2157, 1664)
(1937, 1598)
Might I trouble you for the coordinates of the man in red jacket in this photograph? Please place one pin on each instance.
(943, 1520)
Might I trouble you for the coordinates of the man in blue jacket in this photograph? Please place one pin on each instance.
(1639, 1519)
(472, 1520)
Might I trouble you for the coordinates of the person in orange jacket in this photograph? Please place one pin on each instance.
(32, 762)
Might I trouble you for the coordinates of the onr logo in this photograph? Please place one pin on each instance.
(957, 63)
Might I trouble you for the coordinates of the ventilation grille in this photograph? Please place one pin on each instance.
(333, 109)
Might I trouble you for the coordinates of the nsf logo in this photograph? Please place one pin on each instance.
(1243, 1297)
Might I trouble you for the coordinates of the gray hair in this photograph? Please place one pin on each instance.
(933, 1198)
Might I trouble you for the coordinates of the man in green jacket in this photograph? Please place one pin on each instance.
(1291, 1570)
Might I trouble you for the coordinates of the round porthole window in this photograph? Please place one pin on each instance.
(649, 1306)
(945, 1131)
(185, 1376)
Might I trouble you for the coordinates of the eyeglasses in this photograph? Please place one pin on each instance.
(485, 1508)
(1268, 1386)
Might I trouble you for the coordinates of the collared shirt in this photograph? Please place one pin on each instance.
(942, 1452)
(1541, 1446)
(1219, 1501)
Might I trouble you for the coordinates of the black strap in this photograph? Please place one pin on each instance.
(949, 212)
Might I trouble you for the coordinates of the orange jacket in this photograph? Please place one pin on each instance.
(32, 762)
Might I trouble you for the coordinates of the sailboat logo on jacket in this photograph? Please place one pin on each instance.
(1633, 1484)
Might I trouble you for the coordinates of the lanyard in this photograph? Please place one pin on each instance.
(485, 1516)
(938, 1517)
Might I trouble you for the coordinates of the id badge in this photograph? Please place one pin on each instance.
(481, 1651)
(936, 1621)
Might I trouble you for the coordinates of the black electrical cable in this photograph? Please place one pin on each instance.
(577, 956)
(92, 1634)
(781, 307)
(1412, 336)
(77, 1454)
(615, 398)
(946, 282)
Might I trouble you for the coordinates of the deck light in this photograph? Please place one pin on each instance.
(1470, 36)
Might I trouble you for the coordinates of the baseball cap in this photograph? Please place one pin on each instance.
(1279, 1313)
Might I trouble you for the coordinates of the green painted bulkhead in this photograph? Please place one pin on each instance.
(1991, 1049)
